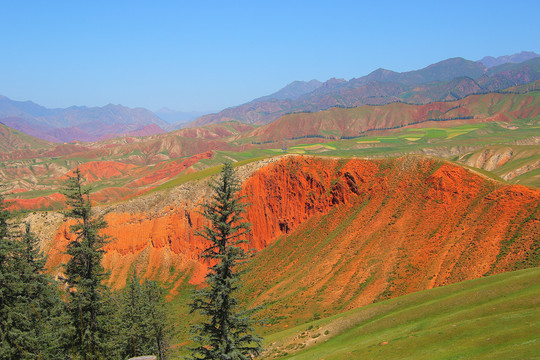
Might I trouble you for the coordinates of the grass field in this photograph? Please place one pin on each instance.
(214, 169)
(496, 317)
(447, 142)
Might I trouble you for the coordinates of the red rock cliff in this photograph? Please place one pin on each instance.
(454, 224)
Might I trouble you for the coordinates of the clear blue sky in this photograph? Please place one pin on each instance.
(208, 55)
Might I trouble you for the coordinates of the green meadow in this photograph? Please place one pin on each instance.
(496, 317)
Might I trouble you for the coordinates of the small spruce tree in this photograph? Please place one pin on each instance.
(143, 319)
(155, 323)
(226, 332)
(84, 273)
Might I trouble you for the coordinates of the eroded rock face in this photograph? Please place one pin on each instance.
(385, 229)
(156, 234)
(413, 216)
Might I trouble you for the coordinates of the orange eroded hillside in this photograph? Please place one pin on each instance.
(393, 227)
(99, 170)
(335, 233)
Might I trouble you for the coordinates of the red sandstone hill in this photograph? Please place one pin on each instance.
(354, 232)
(334, 234)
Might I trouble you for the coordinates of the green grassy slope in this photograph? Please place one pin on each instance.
(496, 317)
(11, 140)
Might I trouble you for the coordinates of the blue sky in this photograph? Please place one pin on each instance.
(209, 55)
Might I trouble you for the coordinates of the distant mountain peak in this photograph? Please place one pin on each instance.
(490, 61)
(334, 82)
(293, 90)
(383, 71)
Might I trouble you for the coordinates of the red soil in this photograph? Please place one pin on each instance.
(99, 170)
(351, 231)
(54, 201)
(169, 170)
(394, 227)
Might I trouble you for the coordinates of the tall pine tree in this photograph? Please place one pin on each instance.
(38, 315)
(226, 332)
(84, 273)
(32, 319)
(7, 296)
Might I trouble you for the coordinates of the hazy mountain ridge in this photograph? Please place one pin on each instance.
(293, 90)
(490, 61)
(447, 80)
(77, 122)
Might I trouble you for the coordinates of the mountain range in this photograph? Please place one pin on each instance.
(78, 122)
(490, 61)
(448, 80)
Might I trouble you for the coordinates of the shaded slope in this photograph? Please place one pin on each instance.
(353, 122)
(497, 317)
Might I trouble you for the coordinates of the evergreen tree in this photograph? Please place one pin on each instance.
(7, 296)
(84, 273)
(143, 318)
(32, 313)
(226, 332)
(155, 322)
(131, 319)
(38, 314)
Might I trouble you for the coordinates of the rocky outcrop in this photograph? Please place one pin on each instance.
(155, 233)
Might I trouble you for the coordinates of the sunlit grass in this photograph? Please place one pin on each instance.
(496, 317)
